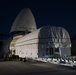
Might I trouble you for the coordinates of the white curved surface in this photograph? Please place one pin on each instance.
(24, 21)
(57, 33)
(42, 38)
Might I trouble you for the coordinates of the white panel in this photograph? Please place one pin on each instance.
(24, 21)
(47, 36)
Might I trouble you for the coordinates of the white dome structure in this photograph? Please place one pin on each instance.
(46, 41)
(22, 25)
(24, 21)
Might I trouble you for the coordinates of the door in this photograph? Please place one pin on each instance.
(49, 52)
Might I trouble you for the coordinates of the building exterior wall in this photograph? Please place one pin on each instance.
(44, 43)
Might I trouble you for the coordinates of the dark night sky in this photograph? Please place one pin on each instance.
(46, 12)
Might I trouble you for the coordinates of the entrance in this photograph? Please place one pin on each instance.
(49, 51)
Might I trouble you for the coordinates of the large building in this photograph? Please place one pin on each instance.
(49, 40)
(23, 24)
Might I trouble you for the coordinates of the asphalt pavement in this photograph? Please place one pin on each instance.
(16, 67)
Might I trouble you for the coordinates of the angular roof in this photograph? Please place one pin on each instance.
(24, 21)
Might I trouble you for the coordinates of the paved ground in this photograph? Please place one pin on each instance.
(33, 68)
